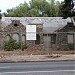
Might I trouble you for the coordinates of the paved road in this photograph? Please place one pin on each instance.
(38, 68)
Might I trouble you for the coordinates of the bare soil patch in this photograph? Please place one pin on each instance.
(35, 52)
(35, 55)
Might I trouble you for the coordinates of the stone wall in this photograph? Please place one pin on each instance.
(31, 44)
(1, 40)
(17, 28)
(62, 37)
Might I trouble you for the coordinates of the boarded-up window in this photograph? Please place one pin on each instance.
(47, 41)
(70, 38)
(7, 38)
(16, 37)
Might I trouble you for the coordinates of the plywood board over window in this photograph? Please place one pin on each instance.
(7, 38)
(16, 37)
(70, 38)
(47, 41)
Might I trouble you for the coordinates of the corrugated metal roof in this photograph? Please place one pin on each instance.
(50, 24)
(36, 21)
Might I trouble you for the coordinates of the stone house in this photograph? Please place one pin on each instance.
(66, 37)
(52, 33)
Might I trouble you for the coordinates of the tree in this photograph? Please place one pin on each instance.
(33, 12)
(35, 8)
(40, 5)
(67, 8)
(19, 11)
(45, 8)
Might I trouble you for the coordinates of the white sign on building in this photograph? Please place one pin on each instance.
(30, 28)
(30, 32)
(30, 36)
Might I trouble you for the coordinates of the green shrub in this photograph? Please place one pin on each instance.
(11, 45)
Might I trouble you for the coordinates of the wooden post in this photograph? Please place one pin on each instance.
(56, 40)
(74, 40)
(47, 43)
(34, 44)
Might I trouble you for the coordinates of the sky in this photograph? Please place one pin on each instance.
(7, 4)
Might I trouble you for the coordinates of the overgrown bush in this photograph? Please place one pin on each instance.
(11, 45)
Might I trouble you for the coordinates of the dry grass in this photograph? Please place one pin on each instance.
(35, 52)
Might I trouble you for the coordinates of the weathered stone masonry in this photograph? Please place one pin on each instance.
(20, 30)
(52, 33)
(62, 37)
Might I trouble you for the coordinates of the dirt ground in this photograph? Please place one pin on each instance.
(35, 52)
(35, 55)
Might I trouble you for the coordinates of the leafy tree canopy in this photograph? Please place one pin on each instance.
(36, 8)
(67, 9)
